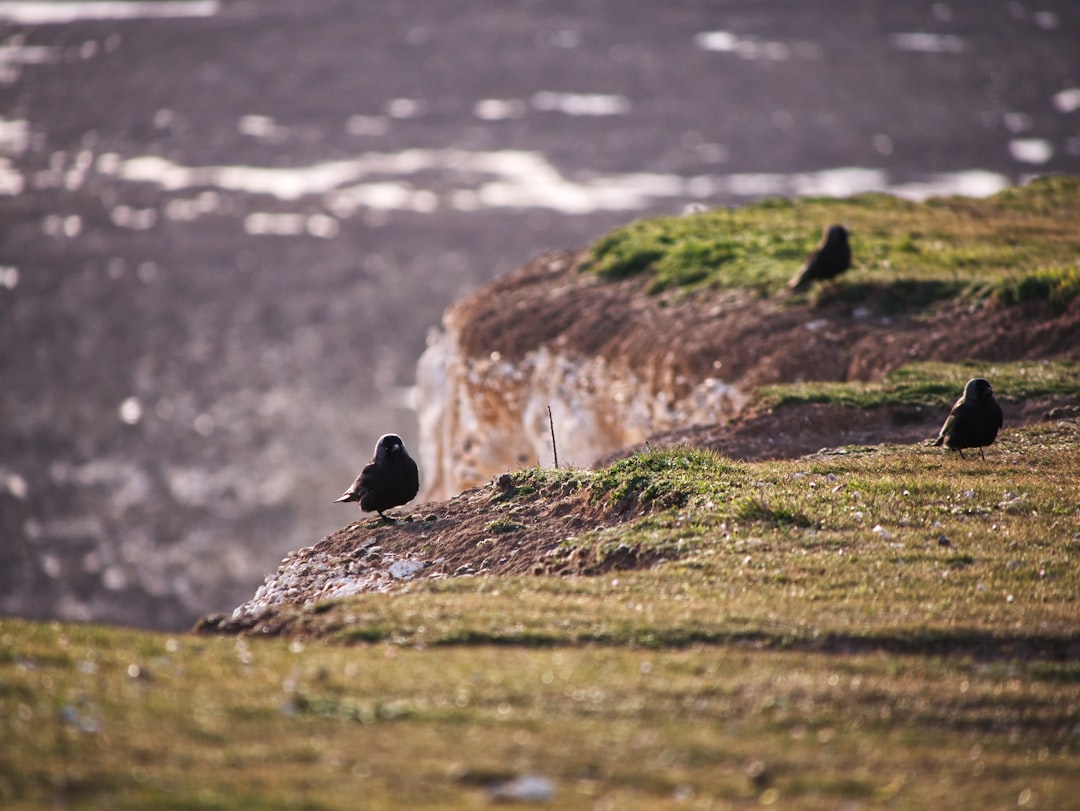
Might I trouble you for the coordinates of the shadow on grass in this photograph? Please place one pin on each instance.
(897, 296)
(977, 645)
(972, 643)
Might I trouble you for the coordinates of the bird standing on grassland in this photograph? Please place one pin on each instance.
(831, 258)
(974, 419)
(388, 480)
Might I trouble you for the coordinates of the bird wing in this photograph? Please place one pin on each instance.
(807, 273)
(368, 478)
(946, 427)
(361, 484)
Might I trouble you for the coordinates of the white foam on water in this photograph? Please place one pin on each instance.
(472, 181)
(136, 219)
(11, 179)
(580, 103)
(287, 223)
(14, 56)
(262, 127)
(721, 41)
(405, 108)
(46, 12)
(57, 225)
(970, 183)
(1047, 20)
(1031, 150)
(367, 125)
(9, 277)
(1067, 100)
(282, 223)
(188, 209)
(382, 196)
(285, 184)
(919, 42)
(130, 411)
(14, 136)
(743, 47)
(1017, 122)
(499, 109)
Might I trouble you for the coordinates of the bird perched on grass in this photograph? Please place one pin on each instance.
(974, 419)
(388, 480)
(831, 258)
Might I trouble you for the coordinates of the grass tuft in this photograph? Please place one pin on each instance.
(1056, 285)
(755, 508)
(933, 384)
(664, 478)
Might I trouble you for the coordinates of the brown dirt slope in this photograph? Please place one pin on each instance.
(742, 338)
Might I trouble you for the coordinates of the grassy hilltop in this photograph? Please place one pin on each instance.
(884, 626)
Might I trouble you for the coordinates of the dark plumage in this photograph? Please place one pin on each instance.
(974, 419)
(831, 258)
(388, 480)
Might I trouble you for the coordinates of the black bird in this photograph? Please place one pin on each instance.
(831, 258)
(388, 480)
(974, 419)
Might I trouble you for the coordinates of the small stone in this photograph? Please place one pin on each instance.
(1012, 504)
(758, 774)
(529, 788)
(404, 569)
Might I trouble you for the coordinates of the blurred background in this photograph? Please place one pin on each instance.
(226, 226)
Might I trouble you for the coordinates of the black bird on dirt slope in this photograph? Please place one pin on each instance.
(831, 258)
(974, 419)
(388, 480)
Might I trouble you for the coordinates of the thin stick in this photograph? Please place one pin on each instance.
(554, 448)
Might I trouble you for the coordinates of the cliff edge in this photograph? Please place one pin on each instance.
(618, 365)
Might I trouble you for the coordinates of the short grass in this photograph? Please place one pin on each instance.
(1019, 245)
(887, 627)
(935, 385)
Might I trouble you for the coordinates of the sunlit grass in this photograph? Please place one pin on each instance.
(271, 724)
(1019, 245)
(934, 384)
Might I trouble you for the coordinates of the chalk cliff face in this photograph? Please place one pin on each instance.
(481, 416)
(608, 367)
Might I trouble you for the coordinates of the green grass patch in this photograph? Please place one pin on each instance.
(934, 384)
(502, 525)
(666, 478)
(1056, 285)
(1018, 245)
(546, 481)
(273, 724)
